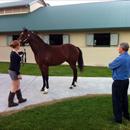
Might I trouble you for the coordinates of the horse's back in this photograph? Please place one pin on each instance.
(71, 48)
(57, 54)
(72, 51)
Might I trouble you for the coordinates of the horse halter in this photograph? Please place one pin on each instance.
(26, 39)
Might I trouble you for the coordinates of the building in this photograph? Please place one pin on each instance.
(97, 28)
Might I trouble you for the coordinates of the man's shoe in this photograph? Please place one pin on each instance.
(118, 121)
(127, 118)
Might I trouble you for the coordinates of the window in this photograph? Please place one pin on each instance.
(46, 39)
(15, 37)
(56, 39)
(66, 39)
(114, 39)
(102, 39)
(9, 39)
(90, 39)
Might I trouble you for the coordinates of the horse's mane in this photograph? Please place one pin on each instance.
(40, 40)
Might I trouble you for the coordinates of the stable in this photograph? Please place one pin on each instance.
(97, 28)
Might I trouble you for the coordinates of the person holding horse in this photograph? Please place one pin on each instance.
(14, 72)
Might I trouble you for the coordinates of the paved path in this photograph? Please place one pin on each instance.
(59, 88)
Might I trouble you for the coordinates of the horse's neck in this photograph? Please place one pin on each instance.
(36, 44)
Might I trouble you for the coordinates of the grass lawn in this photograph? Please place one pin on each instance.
(83, 113)
(62, 70)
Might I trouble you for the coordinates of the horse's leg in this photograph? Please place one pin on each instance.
(47, 84)
(73, 66)
(44, 84)
(43, 77)
(45, 70)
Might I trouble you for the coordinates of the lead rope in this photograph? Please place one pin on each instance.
(23, 58)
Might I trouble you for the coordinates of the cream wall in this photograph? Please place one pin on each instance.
(93, 56)
(78, 39)
(99, 56)
(3, 40)
(124, 36)
(5, 54)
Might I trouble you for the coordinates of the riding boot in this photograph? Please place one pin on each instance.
(11, 103)
(19, 96)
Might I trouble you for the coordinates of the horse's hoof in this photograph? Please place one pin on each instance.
(45, 91)
(71, 87)
(42, 89)
(74, 85)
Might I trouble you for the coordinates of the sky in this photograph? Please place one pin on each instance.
(64, 2)
(61, 2)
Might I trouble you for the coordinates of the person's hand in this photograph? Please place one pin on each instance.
(21, 53)
(19, 77)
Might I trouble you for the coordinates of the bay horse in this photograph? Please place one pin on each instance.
(47, 55)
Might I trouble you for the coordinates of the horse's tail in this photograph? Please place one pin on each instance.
(80, 60)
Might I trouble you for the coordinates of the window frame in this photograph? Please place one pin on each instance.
(90, 42)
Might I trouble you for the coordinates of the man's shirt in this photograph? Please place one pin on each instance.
(121, 67)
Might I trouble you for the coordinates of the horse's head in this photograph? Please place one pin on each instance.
(24, 37)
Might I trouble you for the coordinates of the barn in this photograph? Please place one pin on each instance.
(97, 28)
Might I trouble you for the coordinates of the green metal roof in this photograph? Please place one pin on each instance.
(103, 15)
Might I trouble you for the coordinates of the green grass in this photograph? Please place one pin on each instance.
(83, 113)
(62, 70)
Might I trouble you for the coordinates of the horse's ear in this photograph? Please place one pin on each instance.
(25, 30)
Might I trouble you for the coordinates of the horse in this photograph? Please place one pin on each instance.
(47, 55)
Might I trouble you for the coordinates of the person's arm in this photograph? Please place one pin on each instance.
(115, 64)
(129, 67)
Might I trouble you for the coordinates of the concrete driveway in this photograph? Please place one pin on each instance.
(59, 89)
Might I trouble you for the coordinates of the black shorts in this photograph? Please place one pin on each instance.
(13, 75)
